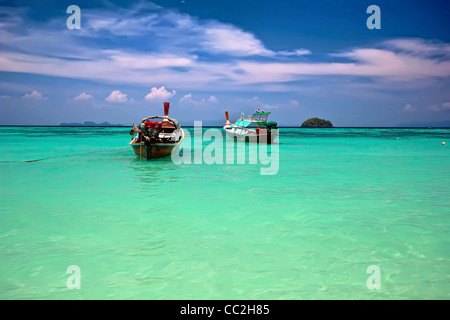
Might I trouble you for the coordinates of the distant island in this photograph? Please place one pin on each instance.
(430, 124)
(89, 124)
(317, 123)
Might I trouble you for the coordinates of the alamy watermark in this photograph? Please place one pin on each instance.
(74, 21)
(373, 22)
(74, 280)
(374, 280)
(252, 150)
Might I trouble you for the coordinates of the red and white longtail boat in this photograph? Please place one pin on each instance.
(156, 136)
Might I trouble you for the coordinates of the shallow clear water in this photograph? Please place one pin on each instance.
(341, 201)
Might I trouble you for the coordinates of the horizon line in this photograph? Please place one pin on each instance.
(216, 126)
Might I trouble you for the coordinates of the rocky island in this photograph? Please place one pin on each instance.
(317, 123)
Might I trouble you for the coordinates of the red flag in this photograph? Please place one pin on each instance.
(166, 109)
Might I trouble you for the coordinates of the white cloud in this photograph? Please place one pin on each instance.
(294, 103)
(446, 106)
(420, 47)
(252, 101)
(172, 28)
(117, 97)
(434, 107)
(228, 39)
(82, 97)
(128, 22)
(212, 99)
(266, 106)
(187, 99)
(297, 52)
(257, 103)
(441, 107)
(409, 108)
(34, 95)
(191, 54)
(159, 94)
(375, 63)
(148, 61)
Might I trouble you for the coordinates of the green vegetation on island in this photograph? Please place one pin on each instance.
(317, 123)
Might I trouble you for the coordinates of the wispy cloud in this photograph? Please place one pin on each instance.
(440, 107)
(147, 61)
(294, 103)
(297, 52)
(188, 100)
(258, 103)
(363, 62)
(409, 107)
(419, 47)
(187, 53)
(230, 40)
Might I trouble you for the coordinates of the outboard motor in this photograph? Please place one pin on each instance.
(272, 125)
(150, 130)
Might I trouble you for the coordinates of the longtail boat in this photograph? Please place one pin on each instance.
(254, 128)
(156, 136)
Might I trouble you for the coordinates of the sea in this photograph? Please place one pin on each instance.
(345, 213)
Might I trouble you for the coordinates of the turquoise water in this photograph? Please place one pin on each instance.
(341, 201)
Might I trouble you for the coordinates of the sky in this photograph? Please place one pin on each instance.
(297, 59)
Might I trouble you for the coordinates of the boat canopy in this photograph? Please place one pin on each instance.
(243, 122)
(260, 118)
(175, 122)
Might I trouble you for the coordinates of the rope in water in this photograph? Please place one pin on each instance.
(122, 153)
(64, 156)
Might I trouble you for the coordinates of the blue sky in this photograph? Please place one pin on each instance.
(297, 59)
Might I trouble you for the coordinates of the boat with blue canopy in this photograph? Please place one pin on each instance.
(253, 128)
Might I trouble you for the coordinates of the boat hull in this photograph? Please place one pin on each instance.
(155, 150)
(268, 138)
